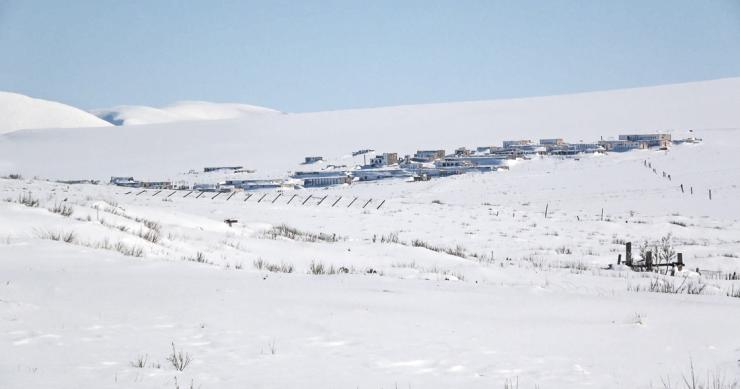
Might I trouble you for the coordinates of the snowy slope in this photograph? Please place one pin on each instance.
(22, 112)
(178, 112)
(273, 144)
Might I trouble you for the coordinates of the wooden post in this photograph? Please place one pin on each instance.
(619, 259)
(188, 194)
(335, 203)
(381, 204)
(200, 194)
(231, 195)
(710, 193)
(322, 200)
(368, 202)
(170, 195)
(352, 202)
(602, 214)
(307, 198)
(679, 261)
(276, 197)
(216, 195)
(628, 254)
(681, 188)
(156, 193)
(546, 208)
(649, 261)
(263, 196)
(291, 199)
(248, 196)
(692, 190)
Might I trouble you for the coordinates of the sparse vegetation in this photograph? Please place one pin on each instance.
(199, 257)
(179, 359)
(261, 264)
(564, 250)
(66, 237)
(667, 285)
(140, 361)
(62, 209)
(149, 234)
(291, 233)
(458, 251)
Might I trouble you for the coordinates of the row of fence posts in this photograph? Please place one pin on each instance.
(649, 165)
(262, 197)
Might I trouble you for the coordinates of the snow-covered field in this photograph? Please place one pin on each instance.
(471, 281)
(517, 297)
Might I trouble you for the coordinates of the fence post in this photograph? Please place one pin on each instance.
(291, 199)
(276, 197)
(200, 194)
(263, 196)
(649, 261)
(368, 202)
(307, 198)
(335, 203)
(322, 200)
(216, 195)
(679, 261)
(352, 202)
(602, 214)
(546, 208)
(248, 196)
(681, 188)
(170, 195)
(156, 193)
(188, 194)
(381, 204)
(710, 193)
(619, 259)
(231, 195)
(628, 254)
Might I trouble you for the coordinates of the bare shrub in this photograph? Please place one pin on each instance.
(62, 209)
(318, 268)
(563, 250)
(149, 234)
(199, 258)
(458, 251)
(66, 237)
(666, 285)
(28, 200)
(261, 264)
(140, 361)
(292, 233)
(178, 359)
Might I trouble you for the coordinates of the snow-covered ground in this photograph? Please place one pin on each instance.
(274, 143)
(519, 296)
(458, 282)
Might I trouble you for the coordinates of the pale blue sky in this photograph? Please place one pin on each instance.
(321, 55)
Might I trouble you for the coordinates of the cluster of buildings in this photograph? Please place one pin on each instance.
(421, 166)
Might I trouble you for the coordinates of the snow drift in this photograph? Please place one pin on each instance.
(22, 112)
(178, 112)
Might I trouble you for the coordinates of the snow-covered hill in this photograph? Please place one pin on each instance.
(178, 112)
(22, 112)
(272, 144)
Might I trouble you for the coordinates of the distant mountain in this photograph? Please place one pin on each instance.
(19, 112)
(125, 115)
